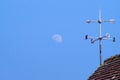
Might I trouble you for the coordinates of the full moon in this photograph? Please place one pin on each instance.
(57, 38)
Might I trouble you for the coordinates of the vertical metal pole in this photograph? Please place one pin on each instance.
(100, 40)
(100, 30)
(100, 21)
(100, 48)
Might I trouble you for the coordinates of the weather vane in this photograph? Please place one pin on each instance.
(100, 38)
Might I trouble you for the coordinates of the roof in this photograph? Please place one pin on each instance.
(109, 70)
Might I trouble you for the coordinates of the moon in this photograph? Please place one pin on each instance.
(57, 38)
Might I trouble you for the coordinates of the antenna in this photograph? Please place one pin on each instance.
(100, 38)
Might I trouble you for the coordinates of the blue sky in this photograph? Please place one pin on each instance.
(28, 51)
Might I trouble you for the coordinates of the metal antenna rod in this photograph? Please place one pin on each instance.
(100, 48)
(100, 38)
(100, 41)
(100, 21)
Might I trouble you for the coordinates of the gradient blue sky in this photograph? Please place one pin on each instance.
(28, 52)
